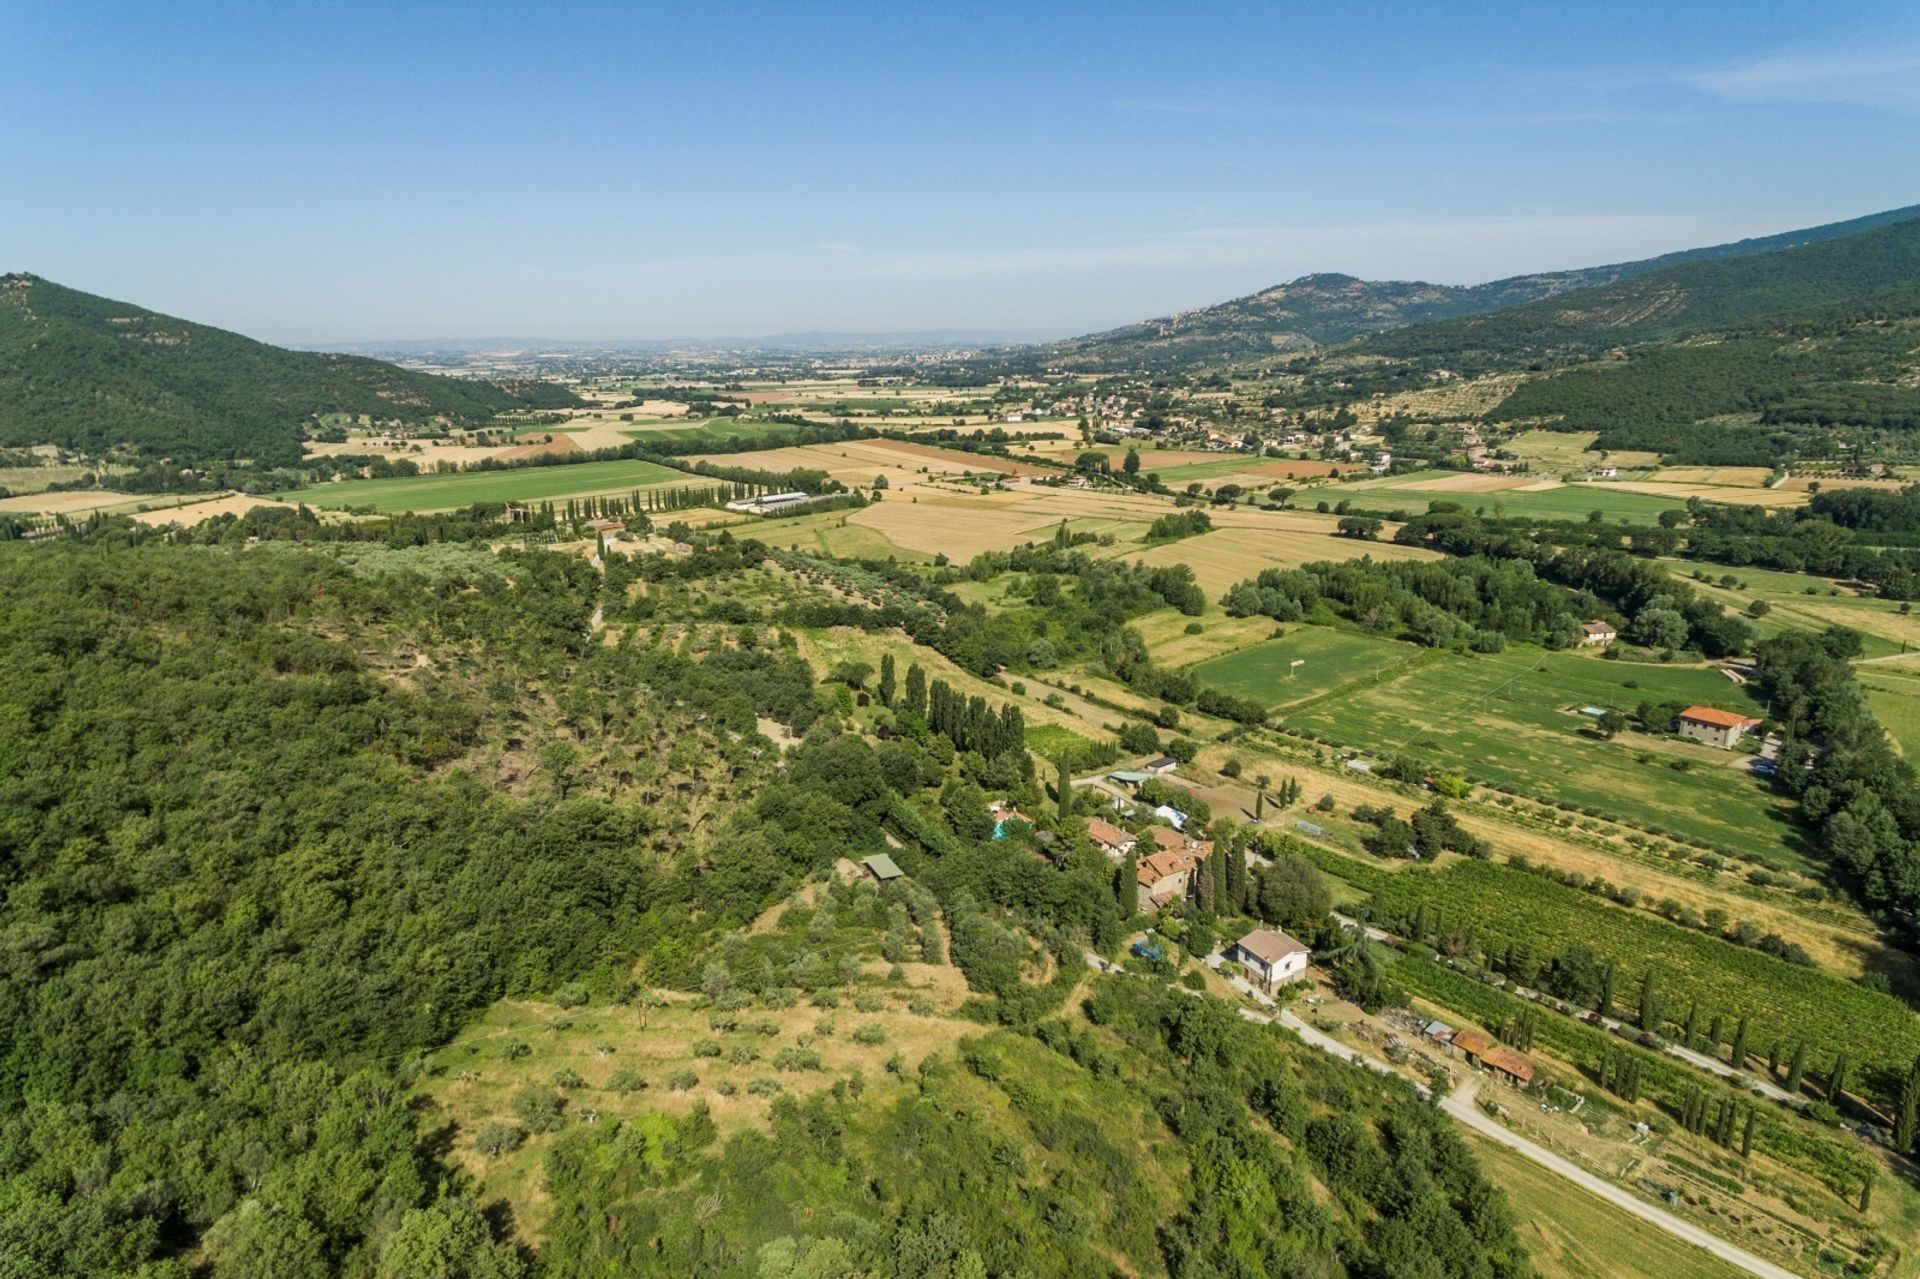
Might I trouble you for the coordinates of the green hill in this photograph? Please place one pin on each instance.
(1870, 273)
(100, 376)
(1325, 309)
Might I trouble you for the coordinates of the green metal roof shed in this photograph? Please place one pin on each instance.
(882, 867)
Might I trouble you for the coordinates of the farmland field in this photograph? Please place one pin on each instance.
(1510, 719)
(1806, 602)
(1229, 555)
(519, 484)
(1893, 694)
(1576, 1235)
(1505, 905)
(1330, 659)
(1547, 499)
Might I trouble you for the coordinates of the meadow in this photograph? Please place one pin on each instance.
(517, 484)
(1544, 499)
(1511, 719)
(1806, 602)
(1329, 660)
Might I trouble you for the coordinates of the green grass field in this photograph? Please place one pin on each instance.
(1805, 602)
(1567, 502)
(714, 428)
(1572, 1234)
(1329, 660)
(517, 484)
(1506, 719)
(1893, 695)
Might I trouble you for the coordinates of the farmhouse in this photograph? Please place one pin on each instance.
(1271, 958)
(1713, 726)
(1110, 839)
(1165, 877)
(1598, 632)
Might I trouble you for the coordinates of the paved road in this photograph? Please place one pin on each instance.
(1461, 1106)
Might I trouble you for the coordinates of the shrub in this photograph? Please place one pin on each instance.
(626, 1079)
(515, 1048)
(743, 1054)
(765, 1087)
(567, 1077)
(706, 1048)
(539, 1109)
(681, 1080)
(498, 1138)
(869, 1035)
(796, 1059)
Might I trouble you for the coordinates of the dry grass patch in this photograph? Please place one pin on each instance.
(1731, 476)
(1713, 492)
(959, 528)
(194, 512)
(1233, 554)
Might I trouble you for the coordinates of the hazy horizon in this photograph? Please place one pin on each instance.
(360, 175)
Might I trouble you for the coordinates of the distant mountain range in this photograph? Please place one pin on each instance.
(1326, 309)
(89, 373)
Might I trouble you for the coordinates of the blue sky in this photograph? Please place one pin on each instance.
(366, 171)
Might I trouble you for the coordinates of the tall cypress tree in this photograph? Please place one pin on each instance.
(917, 690)
(1126, 885)
(887, 688)
(1649, 1005)
(1906, 1122)
(1739, 1054)
(1798, 1067)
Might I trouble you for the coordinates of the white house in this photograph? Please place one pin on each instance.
(1271, 958)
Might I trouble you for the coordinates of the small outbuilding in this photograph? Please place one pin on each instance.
(1598, 632)
(882, 867)
(1508, 1066)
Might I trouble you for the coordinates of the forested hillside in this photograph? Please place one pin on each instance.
(1871, 272)
(99, 376)
(1325, 309)
(282, 819)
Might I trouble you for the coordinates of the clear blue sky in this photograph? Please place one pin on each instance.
(372, 170)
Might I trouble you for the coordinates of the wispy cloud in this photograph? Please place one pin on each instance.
(1865, 78)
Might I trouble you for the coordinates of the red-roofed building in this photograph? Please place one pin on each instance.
(1166, 877)
(1110, 839)
(1713, 726)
